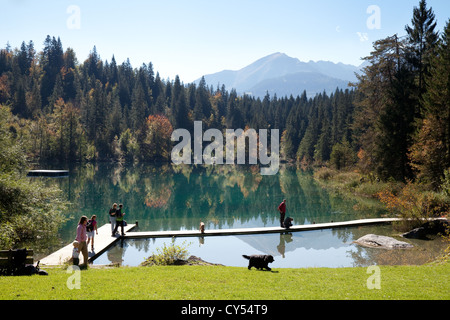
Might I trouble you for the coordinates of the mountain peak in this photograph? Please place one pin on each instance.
(278, 66)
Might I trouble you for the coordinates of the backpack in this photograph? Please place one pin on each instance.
(89, 226)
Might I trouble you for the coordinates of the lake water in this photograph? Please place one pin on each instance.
(331, 248)
(166, 197)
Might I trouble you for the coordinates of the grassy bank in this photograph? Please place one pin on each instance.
(354, 184)
(411, 201)
(430, 282)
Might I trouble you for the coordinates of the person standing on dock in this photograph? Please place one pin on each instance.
(119, 220)
(91, 229)
(282, 209)
(75, 253)
(81, 239)
(112, 217)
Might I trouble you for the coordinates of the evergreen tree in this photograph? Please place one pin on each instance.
(384, 114)
(422, 39)
(396, 126)
(179, 107)
(25, 57)
(138, 107)
(69, 76)
(52, 61)
(202, 107)
(430, 153)
(342, 155)
(322, 150)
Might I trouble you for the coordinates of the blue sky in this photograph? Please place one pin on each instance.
(197, 37)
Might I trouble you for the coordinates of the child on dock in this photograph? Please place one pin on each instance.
(202, 226)
(91, 229)
(75, 253)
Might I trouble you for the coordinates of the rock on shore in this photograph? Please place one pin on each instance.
(375, 241)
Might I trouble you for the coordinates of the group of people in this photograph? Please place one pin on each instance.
(116, 219)
(87, 229)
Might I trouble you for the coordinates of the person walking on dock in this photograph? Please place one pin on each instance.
(112, 217)
(91, 229)
(81, 239)
(282, 209)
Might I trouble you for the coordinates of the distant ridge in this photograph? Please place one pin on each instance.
(283, 75)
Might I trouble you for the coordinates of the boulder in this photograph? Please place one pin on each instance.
(375, 241)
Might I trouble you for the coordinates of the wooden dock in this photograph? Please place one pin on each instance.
(102, 242)
(48, 173)
(263, 230)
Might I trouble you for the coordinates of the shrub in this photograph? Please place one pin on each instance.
(324, 173)
(168, 255)
(414, 205)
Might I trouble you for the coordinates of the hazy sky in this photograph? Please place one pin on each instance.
(197, 37)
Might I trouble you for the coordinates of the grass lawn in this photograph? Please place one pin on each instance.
(429, 282)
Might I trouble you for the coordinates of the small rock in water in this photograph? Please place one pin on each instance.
(375, 241)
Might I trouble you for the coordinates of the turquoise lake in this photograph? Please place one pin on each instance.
(167, 197)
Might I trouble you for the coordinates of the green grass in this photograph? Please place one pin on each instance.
(430, 282)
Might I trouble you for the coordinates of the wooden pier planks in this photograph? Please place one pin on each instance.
(241, 231)
(102, 242)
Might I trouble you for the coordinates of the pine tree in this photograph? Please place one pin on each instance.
(430, 154)
(322, 150)
(179, 107)
(342, 155)
(422, 39)
(52, 61)
(138, 107)
(202, 107)
(384, 114)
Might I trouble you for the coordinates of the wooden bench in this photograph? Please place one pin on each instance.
(15, 261)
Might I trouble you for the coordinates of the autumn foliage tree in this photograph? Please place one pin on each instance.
(155, 142)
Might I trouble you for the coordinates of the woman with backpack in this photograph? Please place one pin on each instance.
(81, 239)
(91, 226)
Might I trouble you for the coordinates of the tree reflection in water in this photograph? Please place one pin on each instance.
(167, 197)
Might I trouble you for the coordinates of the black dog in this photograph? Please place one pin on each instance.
(259, 261)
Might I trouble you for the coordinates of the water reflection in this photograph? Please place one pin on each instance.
(318, 248)
(166, 197)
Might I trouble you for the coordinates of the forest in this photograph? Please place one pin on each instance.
(394, 122)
